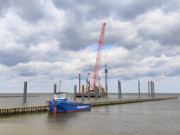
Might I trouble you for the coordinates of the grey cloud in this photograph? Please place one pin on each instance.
(4, 4)
(30, 10)
(27, 73)
(75, 39)
(169, 37)
(75, 36)
(11, 58)
(100, 9)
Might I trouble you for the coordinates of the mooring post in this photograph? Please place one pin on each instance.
(148, 88)
(119, 89)
(139, 89)
(25, 92)
(75, 92)
(82, 92)
(54, 88)
(88, 92)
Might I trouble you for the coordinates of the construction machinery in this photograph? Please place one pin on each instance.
(97, 69)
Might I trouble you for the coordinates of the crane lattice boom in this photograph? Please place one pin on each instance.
(99, 54)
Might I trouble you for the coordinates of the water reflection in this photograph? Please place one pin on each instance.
(60, 117)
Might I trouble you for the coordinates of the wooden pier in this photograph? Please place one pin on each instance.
(22, 110)
(129, 101)
(35, 109)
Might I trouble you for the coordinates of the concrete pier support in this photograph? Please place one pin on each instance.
(82, 92)
(75, 91)
(119, 89)
(139, 93)
(25, 92)
(55, 87)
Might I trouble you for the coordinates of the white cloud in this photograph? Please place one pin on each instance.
(57, 39)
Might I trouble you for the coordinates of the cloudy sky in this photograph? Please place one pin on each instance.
(42, 41)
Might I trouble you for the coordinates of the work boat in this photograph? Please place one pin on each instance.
(60, 104)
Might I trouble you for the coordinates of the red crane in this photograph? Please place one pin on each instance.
(98, 58)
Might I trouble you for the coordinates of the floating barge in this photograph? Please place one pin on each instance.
(78, 95)
(60, 104)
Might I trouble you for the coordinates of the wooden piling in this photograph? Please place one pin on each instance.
(89, 92)
(75, 92)
(25, 92)
(119, 89)
(22, 110)
(153, 89)
(96, 92)
(79, 82)
(55, 87)
(139, 89)
(149, 88)
(100, 103)
(153, 92)
(82, 92)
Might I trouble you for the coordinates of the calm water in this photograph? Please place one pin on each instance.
(146, 118)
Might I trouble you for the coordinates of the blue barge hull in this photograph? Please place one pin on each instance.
(62, 105)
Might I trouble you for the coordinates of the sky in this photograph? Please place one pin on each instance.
(47, 40)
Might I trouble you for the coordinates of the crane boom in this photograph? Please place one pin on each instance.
(98, 58)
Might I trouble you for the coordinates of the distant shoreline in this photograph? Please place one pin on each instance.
(15, 96)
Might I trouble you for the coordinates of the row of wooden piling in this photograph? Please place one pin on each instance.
(151, 90)
(129, 101)
(22, 110)
(34, 109)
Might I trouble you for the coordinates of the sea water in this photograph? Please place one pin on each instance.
(145, 118)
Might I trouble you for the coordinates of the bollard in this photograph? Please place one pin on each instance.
(82, 92)
(75, 92)
(119, 89)
(139, 89)
(25, 92)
